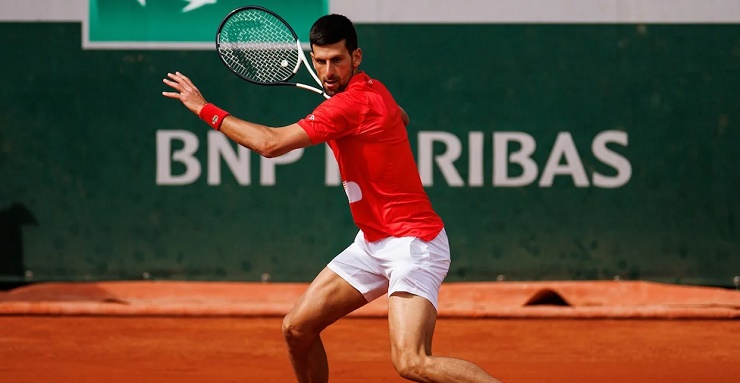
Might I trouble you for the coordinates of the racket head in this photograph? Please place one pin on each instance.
(259, 46)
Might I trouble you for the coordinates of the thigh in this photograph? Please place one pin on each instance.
(357, 265)
(416, 266)
(327, 298)
(411, 321)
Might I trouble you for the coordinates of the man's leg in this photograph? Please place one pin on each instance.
(328, 298)
(411, 319)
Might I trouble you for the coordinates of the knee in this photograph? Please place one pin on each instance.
(411, 367)
(297, 333)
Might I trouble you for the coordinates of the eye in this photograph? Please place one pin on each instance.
(336, 60)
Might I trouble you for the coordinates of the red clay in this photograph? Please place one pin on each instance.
(35, 349)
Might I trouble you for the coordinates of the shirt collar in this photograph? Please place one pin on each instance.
(358, 78)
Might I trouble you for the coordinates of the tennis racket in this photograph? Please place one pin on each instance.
(259, 46)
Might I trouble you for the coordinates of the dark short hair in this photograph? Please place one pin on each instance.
(331, 29)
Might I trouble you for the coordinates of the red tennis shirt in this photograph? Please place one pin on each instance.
(363, 127)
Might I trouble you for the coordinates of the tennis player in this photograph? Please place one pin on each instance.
(401, 248)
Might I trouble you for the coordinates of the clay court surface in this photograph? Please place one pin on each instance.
(569, 332)
(176, 349)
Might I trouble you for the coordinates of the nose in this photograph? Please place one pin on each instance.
(330, 69)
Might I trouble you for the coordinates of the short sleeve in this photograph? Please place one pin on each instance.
(336, 117)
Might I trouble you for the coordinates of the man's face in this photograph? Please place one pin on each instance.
(335, 65)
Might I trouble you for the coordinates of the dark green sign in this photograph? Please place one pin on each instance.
(550, 151)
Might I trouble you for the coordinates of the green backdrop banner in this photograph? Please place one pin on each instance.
(169, 24)
(551, 152)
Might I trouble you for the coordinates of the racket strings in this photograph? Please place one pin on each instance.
(258, 46)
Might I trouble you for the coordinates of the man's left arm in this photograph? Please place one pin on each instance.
(267, 141)
(404, 117)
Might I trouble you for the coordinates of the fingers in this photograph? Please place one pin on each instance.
(184, 90)
(174, 85)
(184, 78)
(180, 83)
(171, 95)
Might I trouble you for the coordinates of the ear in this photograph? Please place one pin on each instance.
(357, 57)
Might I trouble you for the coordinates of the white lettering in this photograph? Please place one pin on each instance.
(268, 165)
(331, 169)
(522, 157)
(475, 159)
(511, 149)
(219, 146)
(184, 156)
(564, 147)
(623, 167)
(444, 161)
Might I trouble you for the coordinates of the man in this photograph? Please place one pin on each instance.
(401, 249)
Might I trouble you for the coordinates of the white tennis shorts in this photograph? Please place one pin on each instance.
(406, 264)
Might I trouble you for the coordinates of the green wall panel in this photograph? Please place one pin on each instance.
(78, 155)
